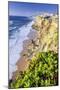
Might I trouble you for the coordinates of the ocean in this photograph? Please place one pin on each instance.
(19, 28)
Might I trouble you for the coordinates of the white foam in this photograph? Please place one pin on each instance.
(11, 22)
(12, 28)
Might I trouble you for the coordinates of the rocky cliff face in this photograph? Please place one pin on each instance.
(47, 28)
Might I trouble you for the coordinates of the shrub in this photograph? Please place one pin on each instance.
(42, 71)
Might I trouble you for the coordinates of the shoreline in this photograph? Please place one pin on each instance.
(40, 39)
(26, 55)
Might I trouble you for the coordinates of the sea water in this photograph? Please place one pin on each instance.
(19, 28)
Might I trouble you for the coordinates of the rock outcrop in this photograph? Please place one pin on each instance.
(48, 32)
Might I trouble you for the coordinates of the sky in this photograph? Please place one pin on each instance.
(29, 9)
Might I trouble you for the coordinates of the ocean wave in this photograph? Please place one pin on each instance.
(11, 28)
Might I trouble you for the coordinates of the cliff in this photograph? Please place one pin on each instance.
(43, 38)
(47, 28)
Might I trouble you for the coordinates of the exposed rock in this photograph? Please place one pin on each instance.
(48, 32)
(26, 43)
(33, 35)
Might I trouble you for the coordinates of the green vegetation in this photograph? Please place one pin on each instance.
(42, 71)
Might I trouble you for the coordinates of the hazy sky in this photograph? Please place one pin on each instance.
(29, 9)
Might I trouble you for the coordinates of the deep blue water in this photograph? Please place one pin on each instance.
(15, 22)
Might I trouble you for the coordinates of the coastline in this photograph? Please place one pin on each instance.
(16, 46)
(27, 53)
(37, 42)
